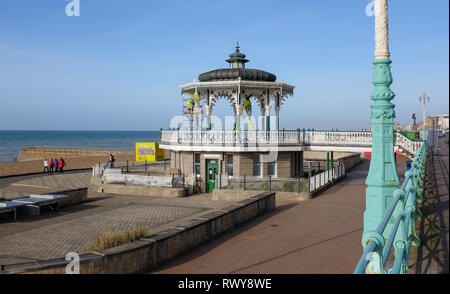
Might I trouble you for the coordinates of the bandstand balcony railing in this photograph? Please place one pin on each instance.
(307, 137)
(404, 212)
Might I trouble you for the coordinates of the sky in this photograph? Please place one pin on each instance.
(119, 64)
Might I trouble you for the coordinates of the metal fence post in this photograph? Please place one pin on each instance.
(332, 163)
(328, 160)
(314, 182)
(127, 166)
(173, 181)
(270, 183)
(245, 184)
(145, 165)
(298, 185)
(220, 181)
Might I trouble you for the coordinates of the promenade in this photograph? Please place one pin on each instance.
(318, 236)
(323, 235)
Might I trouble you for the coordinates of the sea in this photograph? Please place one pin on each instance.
(11, 142)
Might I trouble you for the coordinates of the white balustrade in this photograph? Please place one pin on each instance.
(323, 138)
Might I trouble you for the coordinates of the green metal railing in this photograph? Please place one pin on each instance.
(403, 212)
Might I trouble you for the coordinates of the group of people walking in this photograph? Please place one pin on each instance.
(54, 165)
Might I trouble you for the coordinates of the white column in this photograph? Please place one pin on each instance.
(261, 128)
(197, 111)
(277, 118)
(238, 116)
(267, 107)
(208, 116)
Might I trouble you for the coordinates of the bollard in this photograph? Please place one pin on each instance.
(173, 181)
(245, 184)
(220, 181)
(298, 185)
(145, 164)
(270, 183)
(127, 166)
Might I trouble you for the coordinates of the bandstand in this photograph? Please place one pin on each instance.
(239, 145)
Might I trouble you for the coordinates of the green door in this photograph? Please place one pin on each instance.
(212, 168)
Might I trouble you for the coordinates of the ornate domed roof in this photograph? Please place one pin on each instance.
(237, 70)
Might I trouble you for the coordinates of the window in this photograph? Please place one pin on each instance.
(256, 166)
(271, 168)
(197, 164)
(229, 165)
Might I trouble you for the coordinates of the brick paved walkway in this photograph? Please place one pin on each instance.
(58, 239)
(54, 234)
(321, 235)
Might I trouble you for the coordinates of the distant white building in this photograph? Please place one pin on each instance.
(441, 121)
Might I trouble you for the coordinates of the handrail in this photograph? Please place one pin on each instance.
(404, 209)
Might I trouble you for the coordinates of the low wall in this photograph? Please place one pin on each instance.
(142, 191)
(27, 154)
(8, 169)
(349, 160)
(322, 155)
(138, 190)
(43, 153)
(75, 196)
(236, 195)
(151, 251)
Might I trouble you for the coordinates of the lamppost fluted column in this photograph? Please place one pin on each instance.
(382, 178)
(425, 98)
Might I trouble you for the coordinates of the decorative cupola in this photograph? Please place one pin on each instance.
(237, 59)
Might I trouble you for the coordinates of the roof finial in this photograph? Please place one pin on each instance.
(237, 47)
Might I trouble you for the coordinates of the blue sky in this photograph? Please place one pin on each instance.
(118, 65)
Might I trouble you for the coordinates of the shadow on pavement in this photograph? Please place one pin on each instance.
(211, 244)
(432, 254)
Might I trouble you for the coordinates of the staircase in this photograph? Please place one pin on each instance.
(405, 146)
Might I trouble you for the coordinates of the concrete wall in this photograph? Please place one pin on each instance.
(75, 196)
(43, 153)
(236, 195)
(349, 160)
(148, 252)
(310, 155)
(138, 190)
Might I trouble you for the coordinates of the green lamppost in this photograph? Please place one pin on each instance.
(382, 179)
